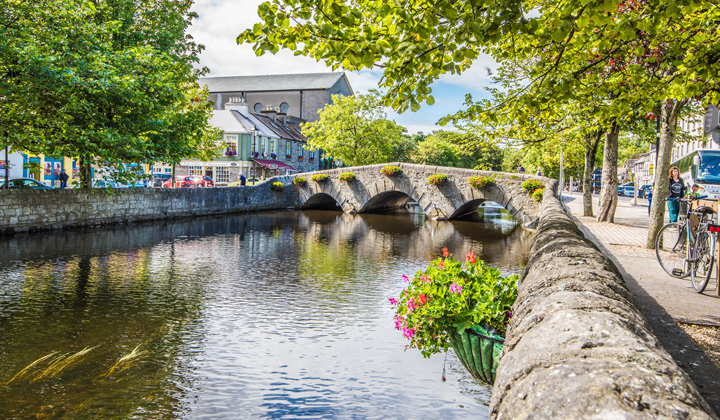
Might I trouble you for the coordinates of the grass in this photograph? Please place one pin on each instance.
(52, 364)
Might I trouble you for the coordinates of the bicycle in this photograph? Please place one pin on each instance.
(687, 248)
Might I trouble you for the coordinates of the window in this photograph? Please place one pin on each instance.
(255, 139)
(312, 154)
(231, 145)
(195, 170)
(288, 149)
(272, 146)
(284, 107)
(222, 175)
(301, 151)
(257, 108)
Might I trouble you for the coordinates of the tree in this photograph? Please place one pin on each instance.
(627, 55)
(457, 149)
(356, 130)
(111, 82)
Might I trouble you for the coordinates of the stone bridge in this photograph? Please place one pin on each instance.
(372, 191)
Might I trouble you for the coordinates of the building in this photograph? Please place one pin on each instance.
(261, 117)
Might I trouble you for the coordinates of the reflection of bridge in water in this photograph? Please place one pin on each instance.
(372, 192)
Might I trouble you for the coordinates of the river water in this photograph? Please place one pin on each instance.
(269, 315)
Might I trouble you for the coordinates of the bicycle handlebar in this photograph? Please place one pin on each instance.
(687, 200)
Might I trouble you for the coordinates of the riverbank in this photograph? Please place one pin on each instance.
(684, 321)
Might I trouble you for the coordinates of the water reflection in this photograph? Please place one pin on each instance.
(273, 315)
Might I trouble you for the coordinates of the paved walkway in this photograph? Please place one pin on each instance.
(665, 300)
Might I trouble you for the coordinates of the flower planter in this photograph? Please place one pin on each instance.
(478, 351)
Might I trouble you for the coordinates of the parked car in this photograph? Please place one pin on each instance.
(644, 191)
(180, 182)
(104, 183)
(159, 179)
(25, 183)
(208, 182)
(629, 191)
(621, 188)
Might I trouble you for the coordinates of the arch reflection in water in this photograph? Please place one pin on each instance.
(270, 315)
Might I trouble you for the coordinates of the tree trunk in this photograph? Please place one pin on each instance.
(668, 123)
(608, 189)
(85, 173)
(592, 141)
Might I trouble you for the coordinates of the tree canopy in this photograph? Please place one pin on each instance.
(103, 81)
(356, 130)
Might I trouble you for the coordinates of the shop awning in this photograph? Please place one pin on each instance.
(273, 164)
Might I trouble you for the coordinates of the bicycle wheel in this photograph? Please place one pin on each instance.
(671, 250)
(703, 259)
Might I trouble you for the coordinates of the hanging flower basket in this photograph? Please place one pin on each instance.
(300, 181)
(437, 179)
(480, 182)
(320, 177)
(391, 170)
(273, 156)
(277, 186)
(347, 177)
(479, 351)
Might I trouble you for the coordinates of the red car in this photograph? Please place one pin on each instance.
(192, 181)
(180, 182)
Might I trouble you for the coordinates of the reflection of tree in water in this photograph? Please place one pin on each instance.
(149, 285)
(111, 303)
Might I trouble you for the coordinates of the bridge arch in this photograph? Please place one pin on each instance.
(372, 191)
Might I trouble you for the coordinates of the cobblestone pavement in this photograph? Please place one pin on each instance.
(665, 300)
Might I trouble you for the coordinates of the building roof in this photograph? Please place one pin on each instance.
(227, 122)
(272, 82)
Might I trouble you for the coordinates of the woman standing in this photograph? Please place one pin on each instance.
(676, 192)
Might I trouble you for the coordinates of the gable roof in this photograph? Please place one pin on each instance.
(272, 82)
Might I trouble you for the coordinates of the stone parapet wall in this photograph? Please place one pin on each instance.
(444, 201)
(578, 345)
(28, 210)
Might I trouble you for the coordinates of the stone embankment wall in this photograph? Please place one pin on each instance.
(27, 210)
(578, 345)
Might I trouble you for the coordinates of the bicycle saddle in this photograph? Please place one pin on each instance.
(704, 210)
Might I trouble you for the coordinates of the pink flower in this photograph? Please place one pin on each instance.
(455, 288)
(425, 279)
(411, 304)
(393, 301)
(445, 252)
(409, 333)
(405, 278)
(399, 323)
(441, 265)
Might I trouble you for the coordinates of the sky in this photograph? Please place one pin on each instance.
(221, 21)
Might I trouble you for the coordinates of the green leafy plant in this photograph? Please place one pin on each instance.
(437, 179)
(391, 170)
(300, 181)
(537, 195)
(451, 296)
(514, 177)
(277, 186)
(531, 185)
(320, 177)
(480, 182)
(347, 177)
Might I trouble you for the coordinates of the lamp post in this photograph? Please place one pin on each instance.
(635, 188)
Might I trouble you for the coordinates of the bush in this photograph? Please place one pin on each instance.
(391, 170)
(320, 177)
(480, 182)
(514, 177)
(437, 179)
(537, 195)
(448, 296)
(300, 181)
(347, 177)
(277, 186)
(532, 185)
